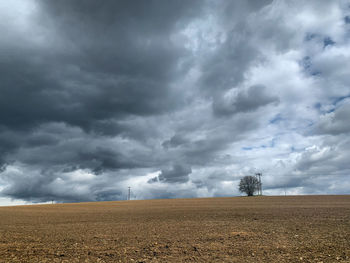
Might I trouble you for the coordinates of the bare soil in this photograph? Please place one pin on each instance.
(237, 229)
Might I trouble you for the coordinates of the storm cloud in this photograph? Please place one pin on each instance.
(172, 98)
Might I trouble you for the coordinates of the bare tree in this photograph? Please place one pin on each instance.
(248, 185)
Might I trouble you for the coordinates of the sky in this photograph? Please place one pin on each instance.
(176, 99)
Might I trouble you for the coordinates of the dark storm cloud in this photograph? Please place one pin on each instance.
(335, 122)
(205, 149)
(33, 187)
(101, 159)
(174, 141)
(47, 186)
(224, 68)
(176, 174)
(247, 100)
(67, 147)
(99, 67)
(110, 60)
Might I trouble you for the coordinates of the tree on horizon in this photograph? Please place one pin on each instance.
(249, 184)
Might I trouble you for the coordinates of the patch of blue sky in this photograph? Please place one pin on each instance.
(323, 108)
(276, 119)
(315, 73)
(306, 64)
(271, 144)
(327, 41)
(337, 100)
(309, 123)
(247, 148)
(347, 20)
(310, 36)
(318, 106)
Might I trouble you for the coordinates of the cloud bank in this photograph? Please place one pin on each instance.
(172, 98)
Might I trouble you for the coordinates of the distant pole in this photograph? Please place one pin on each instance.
(258, 175)
(129, 192)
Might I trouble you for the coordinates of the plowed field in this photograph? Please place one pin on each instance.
(237, 229)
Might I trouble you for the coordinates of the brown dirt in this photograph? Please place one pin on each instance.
(238, 229)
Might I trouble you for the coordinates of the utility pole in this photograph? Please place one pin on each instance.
(129, 191)
(258, 175)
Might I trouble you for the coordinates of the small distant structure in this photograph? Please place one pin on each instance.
(129, 192)
(258, 176)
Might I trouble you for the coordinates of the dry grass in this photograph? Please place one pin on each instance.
(239, 229)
